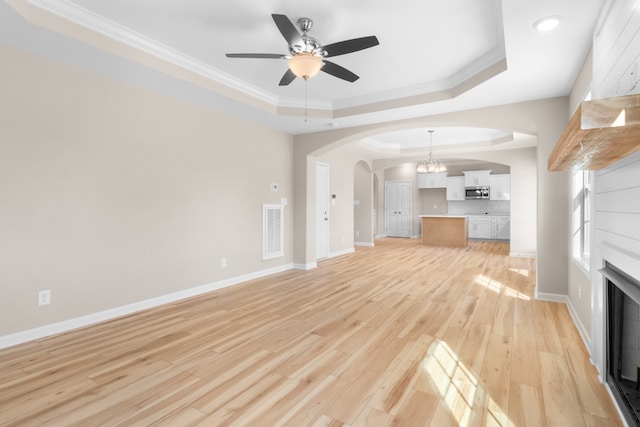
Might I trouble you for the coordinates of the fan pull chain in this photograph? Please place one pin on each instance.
(306, 115)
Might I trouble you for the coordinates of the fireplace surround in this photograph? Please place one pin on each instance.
(622, 375)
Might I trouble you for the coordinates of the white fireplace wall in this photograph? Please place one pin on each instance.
(616, 205)
(616, 238)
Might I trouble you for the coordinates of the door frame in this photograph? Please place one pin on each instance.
(410, 201)
(328, 204)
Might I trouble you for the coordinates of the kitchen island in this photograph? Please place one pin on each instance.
(445, 230)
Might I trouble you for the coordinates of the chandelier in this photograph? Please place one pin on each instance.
(431, 166)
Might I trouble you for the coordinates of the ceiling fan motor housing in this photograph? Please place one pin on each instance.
(305, 24)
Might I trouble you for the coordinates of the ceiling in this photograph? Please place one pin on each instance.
(434, 56)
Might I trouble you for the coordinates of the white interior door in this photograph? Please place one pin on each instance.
(322, 210)
(397, 203)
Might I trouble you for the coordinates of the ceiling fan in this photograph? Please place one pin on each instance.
(306, 55)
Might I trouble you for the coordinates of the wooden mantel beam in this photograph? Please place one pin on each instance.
(600, 132)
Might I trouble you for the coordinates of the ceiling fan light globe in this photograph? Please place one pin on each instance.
(305, 65)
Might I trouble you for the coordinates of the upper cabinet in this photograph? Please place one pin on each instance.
(455, 188)
(500, 187)
(477, 178)
(432, 180)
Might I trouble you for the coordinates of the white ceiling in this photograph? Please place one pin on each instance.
(434, 56)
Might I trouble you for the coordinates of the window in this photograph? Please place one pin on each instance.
(272, 228)
(581, 217)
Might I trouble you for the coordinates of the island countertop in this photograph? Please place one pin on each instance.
(443, 216)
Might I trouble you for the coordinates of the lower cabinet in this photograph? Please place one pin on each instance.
(480, 227)
(501, 225)
(489, 227)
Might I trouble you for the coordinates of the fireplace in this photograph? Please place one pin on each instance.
(623, 341)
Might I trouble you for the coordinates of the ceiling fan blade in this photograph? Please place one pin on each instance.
(287, 78)
(256, 55)
(288, 30)
(339, 71)
(348, 46)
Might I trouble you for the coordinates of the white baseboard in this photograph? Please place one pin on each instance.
(543, 296)
(309, 266)
(523, 254)
(584, 334)
(340, 253)
(367, 244)
(101, 316)
(380, 236)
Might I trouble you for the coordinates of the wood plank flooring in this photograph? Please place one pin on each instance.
(400, 334)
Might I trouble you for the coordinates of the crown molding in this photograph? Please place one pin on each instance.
(78, 15)
(71, 17)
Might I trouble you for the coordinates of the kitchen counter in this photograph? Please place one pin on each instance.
(442, 216)
(445, 230)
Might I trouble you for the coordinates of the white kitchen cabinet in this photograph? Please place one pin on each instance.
(455, 188)
(500, 227)
(432, 180)
(489, 227)
(500, 187)
(480, 227)
(477, 178)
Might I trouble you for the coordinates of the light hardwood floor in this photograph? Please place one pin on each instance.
(399, 334)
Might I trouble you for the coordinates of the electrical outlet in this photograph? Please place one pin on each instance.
(357, 233)
(223, 262)
(579, 294)
(44, 297)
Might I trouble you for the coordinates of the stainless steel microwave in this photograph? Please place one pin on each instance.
(476, 193)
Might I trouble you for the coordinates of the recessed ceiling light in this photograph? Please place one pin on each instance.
(546, 24)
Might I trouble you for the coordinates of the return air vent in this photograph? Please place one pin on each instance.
(272, 226)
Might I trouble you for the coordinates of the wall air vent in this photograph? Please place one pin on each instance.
(272, 231)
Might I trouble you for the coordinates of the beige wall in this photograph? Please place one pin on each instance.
(432, 201)
(579, 284)
(111, 194)
(342, 165)
(363, 204)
